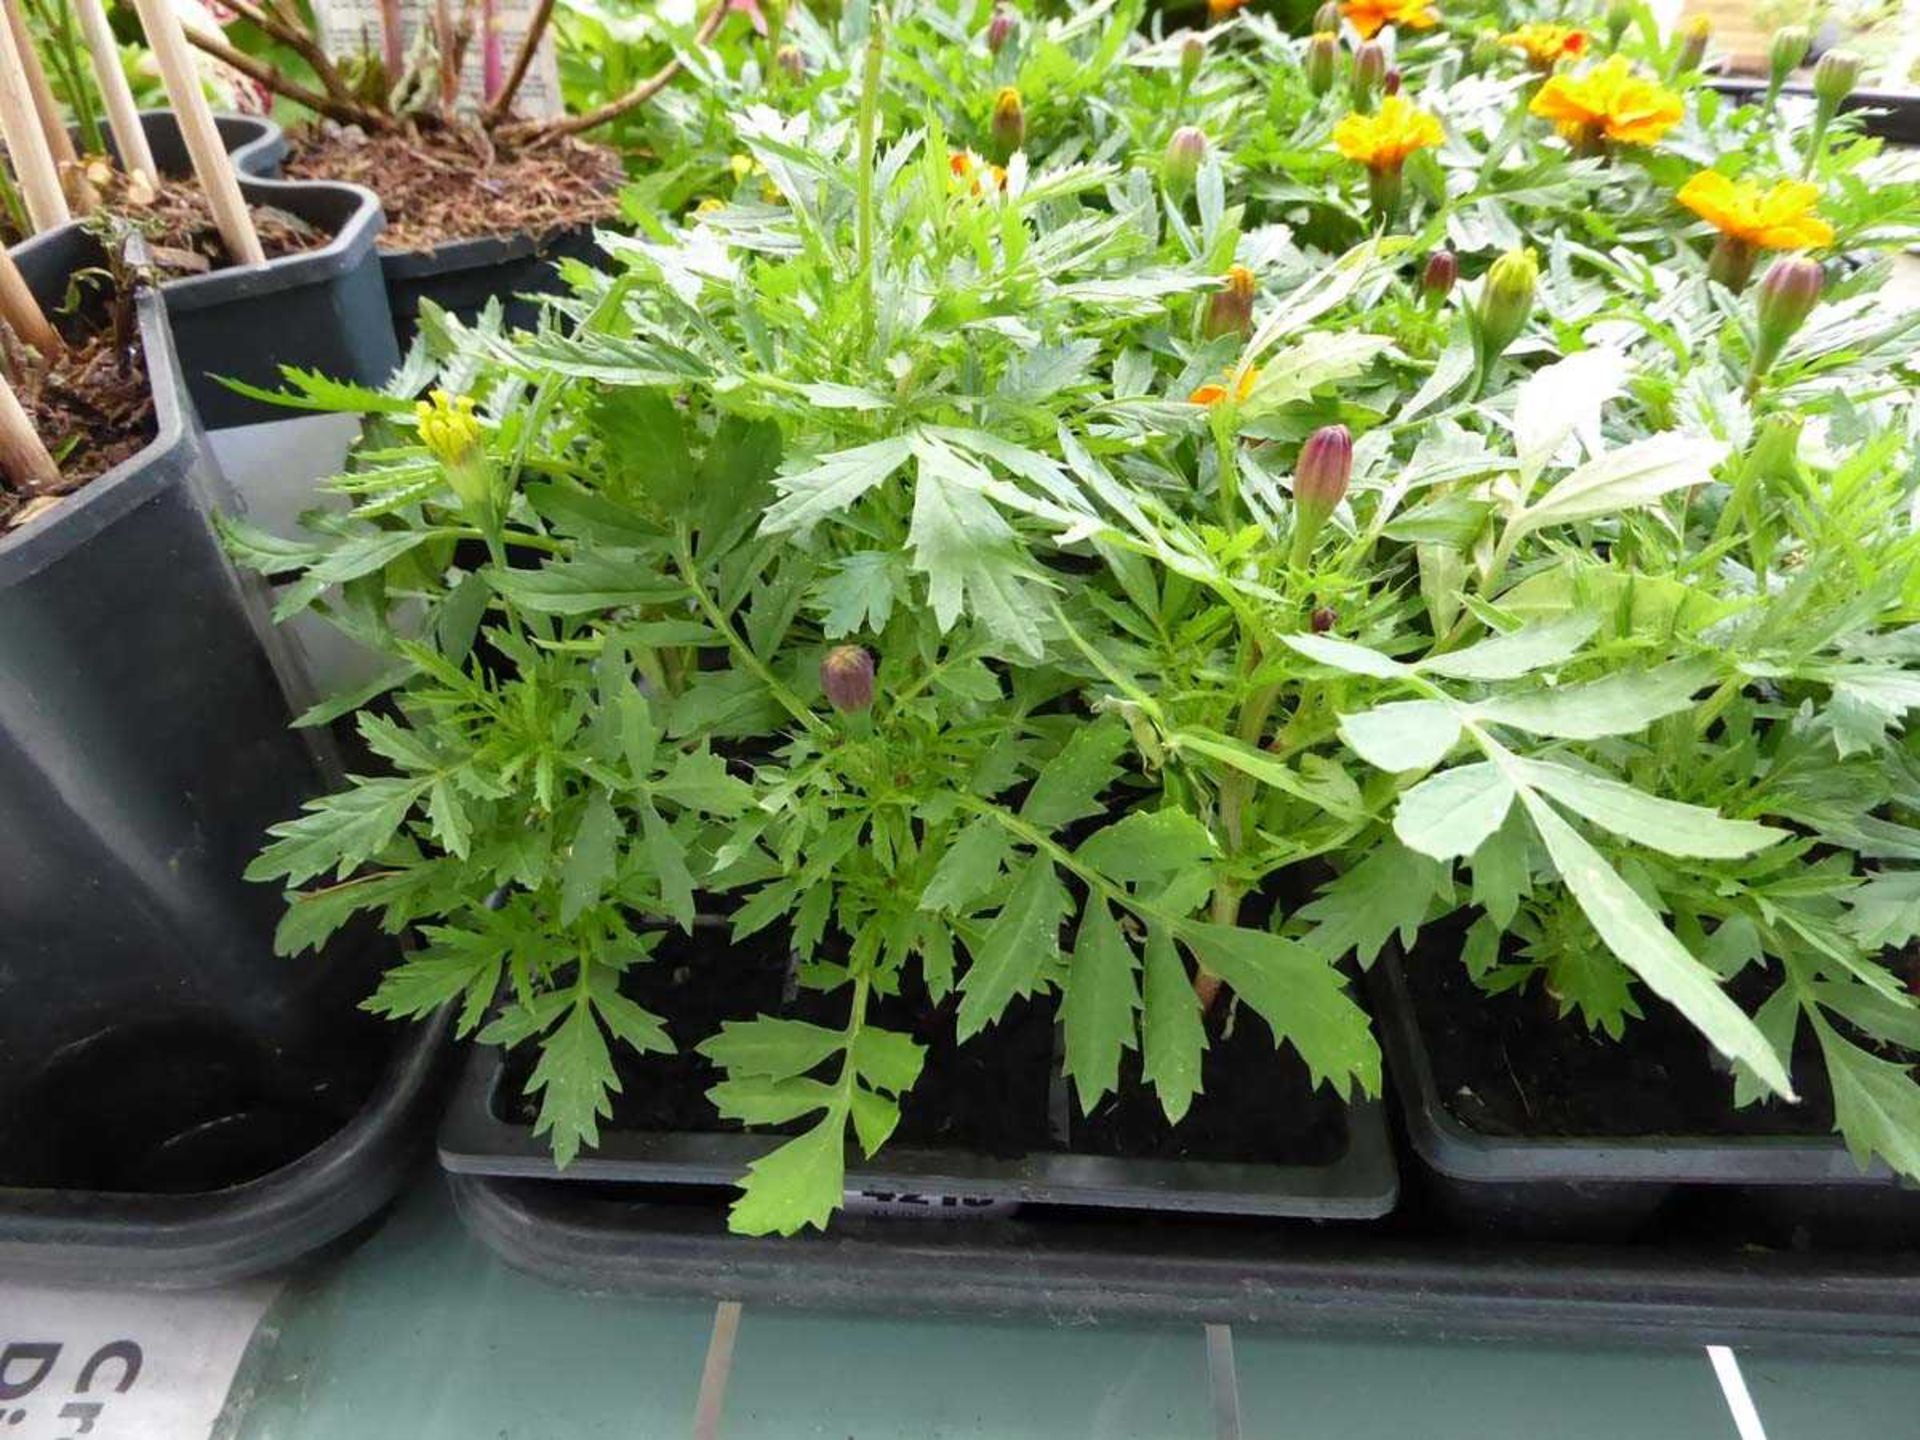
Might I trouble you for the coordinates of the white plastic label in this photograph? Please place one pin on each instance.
(348, 27)
(924, 1205)
(112, 1365)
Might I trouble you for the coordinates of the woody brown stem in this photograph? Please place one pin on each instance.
(522, 62)
(293, 33)
(347, 112)
(573, 124)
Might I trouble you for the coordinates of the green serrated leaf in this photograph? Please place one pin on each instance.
(1022, 940)
(1145, 846)
(772, 1048)
(575, 1080)
(798, 1185)
(756, 1100)
(887, 1060)
(969, 868)
(1403, 735)
(1451, 814)
(1876, 1104)
(1069, 786)
(1099, 1008)
(1172, 1035)
(591, 859)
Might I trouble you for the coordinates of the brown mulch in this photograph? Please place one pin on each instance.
(91, 407)
(179, 229)
(441, 185)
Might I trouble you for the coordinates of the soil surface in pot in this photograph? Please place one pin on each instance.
(988, 1096)
(1257, 1105)
(438, 186)
(177, 225)
(1508, 1065)
(92, 408)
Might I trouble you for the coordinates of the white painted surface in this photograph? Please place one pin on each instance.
(1726, 1369)
(113, 1365)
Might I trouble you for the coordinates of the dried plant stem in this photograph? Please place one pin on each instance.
(123, 116)
(22, 312)
(211, 163)
(24, 461)
(292, 32)
(33, 162)
(345, 110)
(614, 109)
(522, 62)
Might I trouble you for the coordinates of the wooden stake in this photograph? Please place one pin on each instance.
(211, 162)
(123, 116)
(33, 162)
(24, 461)
(52, 124)
(21, 311)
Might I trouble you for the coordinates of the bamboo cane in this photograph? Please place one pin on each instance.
(123, 117)
(33, 162)
(21, 311)
(211, 163)
(52, 124)
(24, 461)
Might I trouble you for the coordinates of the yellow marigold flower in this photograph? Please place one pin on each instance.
(1370, 17)
(1384, 140)
(1781, 218)
(1546, 45)
(1213, 393)
(447, 426)
(970, 168)
(1608, 102)
(710, 206)
(1219, 9)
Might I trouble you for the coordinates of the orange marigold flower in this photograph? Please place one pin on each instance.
(1608, 102)
(1220, 9)
(1780, 218)
(969, 167)
(1546, 45)
(1383, 141)
(1213, 393)
(1370, 17)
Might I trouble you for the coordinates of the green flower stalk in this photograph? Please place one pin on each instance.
(1833, 81)
(1788, 293)
(1786, 54)
(1319, 485)
(1007, 130)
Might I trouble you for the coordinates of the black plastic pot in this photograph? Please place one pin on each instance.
(256, 144)
(1769, 1186)
(1076, 1269)
(1893, 115)
(1038, 1158)
(323, 309)
(176, 1103)
(463, 275)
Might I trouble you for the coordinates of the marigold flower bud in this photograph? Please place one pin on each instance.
(1619, 16)
(1369, 74)
(1000, 29)
(1788, 293)
(1694, 34)
(1506, 299)
(1323, 619)
(1390, 85)
(846, 677)
(791, 62)
(1193, 54)
(451, 433)
(1185, 151)
(1229, 310)
(1788, 52)
(1438, 278)
(1731, 262)
(1319, 484)
(1326, 20)
(1008, 128)
(1835, 76)
(1323, 54)
(1485, 53)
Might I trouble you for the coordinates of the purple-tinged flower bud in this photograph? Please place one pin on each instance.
(1788, 293)
(1323, 55)
(1008, 128)
(1229, 310)
(846, 675)
(1193, 54)
(1327, 18)
(1323, 619)
(1185, 151)
(1390, 85)
(1319, 484)
(1731, 262)
(791, 62)
(1439, 277)
(1000, 29)
(1369, 74)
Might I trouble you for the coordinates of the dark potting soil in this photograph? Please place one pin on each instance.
(437, 186)
(92, 408)
(1257, 1104)
(1508, 1065)
(177, 225)
(988, 1096)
